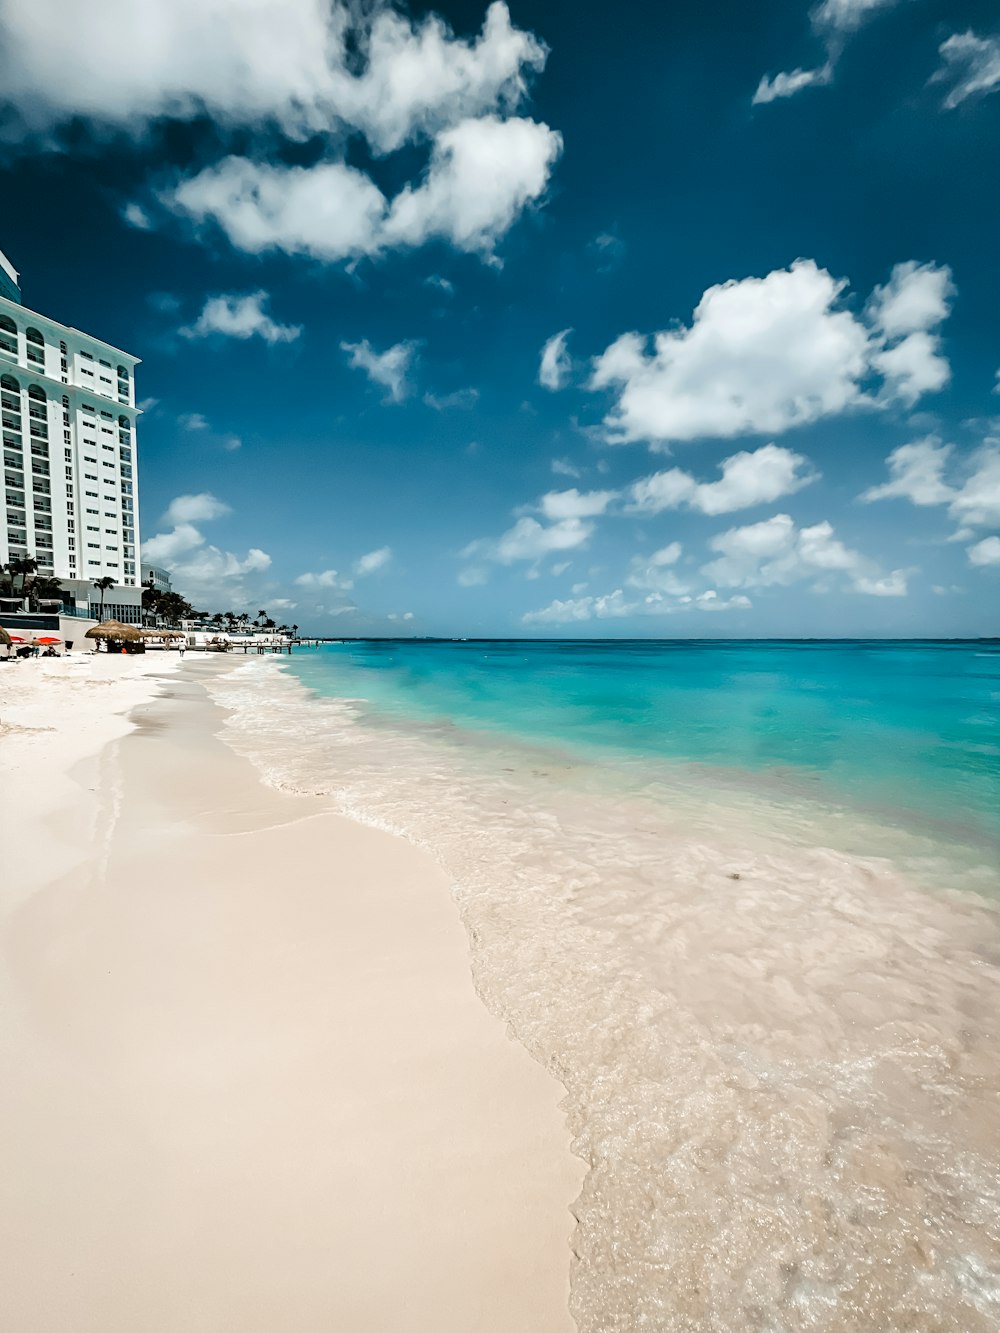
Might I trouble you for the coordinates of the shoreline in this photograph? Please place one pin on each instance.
(774, 1051)
(197, 1147)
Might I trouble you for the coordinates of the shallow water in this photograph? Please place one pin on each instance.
(767, 973)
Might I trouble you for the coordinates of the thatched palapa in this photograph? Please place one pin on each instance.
(115, 631)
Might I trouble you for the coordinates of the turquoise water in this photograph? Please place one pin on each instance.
(908, 730)
(742, 900)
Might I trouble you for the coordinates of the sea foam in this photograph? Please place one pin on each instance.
(781, 1058)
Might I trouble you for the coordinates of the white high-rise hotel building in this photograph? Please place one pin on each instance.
(69, 455)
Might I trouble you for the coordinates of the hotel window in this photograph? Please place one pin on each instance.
(36, 347)
(8, 335)
(93, 546)
(87, 408)
(92, 495)
(88, 355)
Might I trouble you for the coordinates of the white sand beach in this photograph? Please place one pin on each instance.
(247, 1082)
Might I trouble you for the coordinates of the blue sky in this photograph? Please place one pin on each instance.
(476, 320)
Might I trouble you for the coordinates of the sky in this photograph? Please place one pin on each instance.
(536, 320)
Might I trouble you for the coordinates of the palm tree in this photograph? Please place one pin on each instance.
(23, 565)
(103, 585)
(261, 617)
(43, 589)
(295, 631)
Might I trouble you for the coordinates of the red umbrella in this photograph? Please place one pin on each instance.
(16, 638)
(49, 638)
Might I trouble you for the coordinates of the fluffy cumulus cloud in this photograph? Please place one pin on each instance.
(200, 570)
(326, 578)
(833, 21)
(575, 504)
(927, 472)
(763, 355)
(986, 552)
(749, 478)
(331, 67)
(306, 68)
(776, 552)
(482, 175)
(971, 64)
(556, 364)
(241, 317)
(389, 368)
(527, 541)
(199, 508)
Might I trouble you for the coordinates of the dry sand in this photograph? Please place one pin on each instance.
(246, 1082)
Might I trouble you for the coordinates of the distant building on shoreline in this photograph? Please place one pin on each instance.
(70, 468)
(155, 576)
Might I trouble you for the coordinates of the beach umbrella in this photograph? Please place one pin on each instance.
(47, 639)
(16, 638)
(5, 637)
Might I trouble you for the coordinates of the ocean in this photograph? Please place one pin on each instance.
(741, 898)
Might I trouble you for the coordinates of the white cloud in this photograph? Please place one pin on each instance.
(192, 421)
(198, 508)
(917, 473)
(526, 540)
(373, 561)
(328, 578)
(834, 21)
(481, 176)
(200, 570)
(556, 365)
(888, 585)
(166, 546)
(775, 553)
(971, 64)
(240, 317)
(977, 501)
(328, 211)
(986, 552)
(790, 83)
(442, 284)
(389, 368)
(583, 608)
(306, 67)
(615, 605)
(766, 474)
(847, 15)
(462, 399)
(562, 467)
(420, 79)
(913, 367)
(575, 504)
(134, 215)
(916, 297)
(655, 572)
(763, 355)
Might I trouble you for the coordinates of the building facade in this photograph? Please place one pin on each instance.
(69, 450)
(155, 576)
